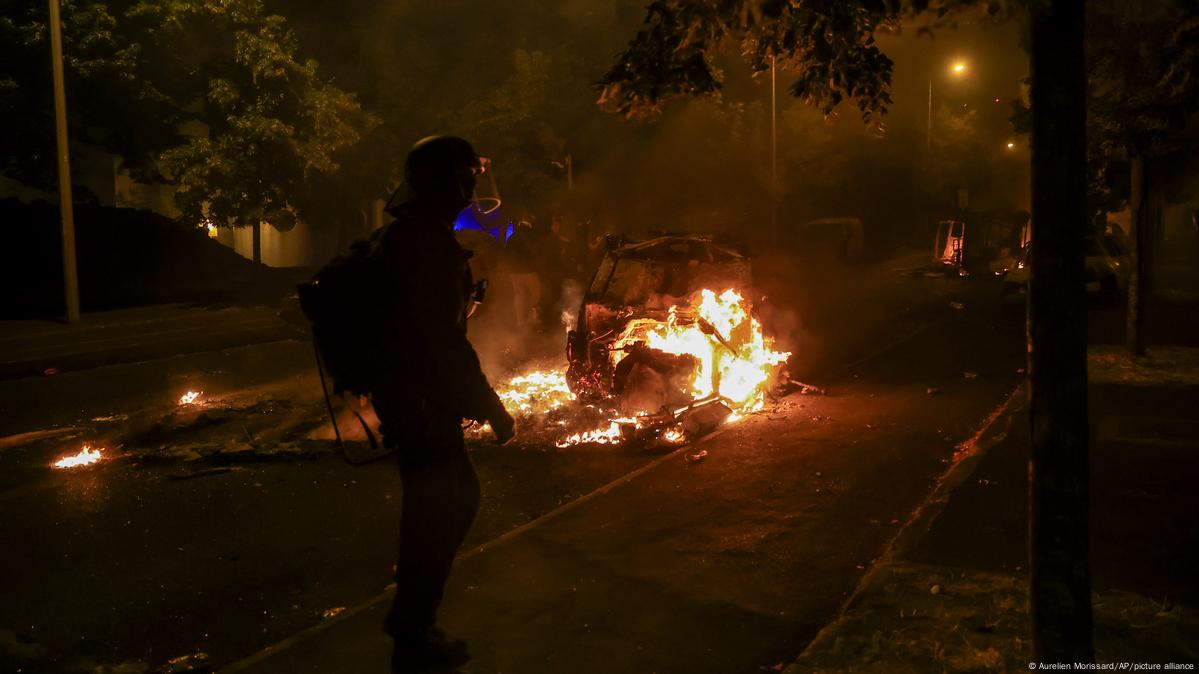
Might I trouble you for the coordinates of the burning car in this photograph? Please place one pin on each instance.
(665, 325)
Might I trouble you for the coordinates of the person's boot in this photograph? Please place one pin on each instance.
(429, 651)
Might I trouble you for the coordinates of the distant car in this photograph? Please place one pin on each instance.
(1106, 273)
(642, 280)
(841, 238)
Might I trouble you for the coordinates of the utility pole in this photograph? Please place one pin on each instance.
(774, 158)
(65, 204)
(928, 133)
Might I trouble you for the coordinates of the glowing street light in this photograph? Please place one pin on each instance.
(958, 69)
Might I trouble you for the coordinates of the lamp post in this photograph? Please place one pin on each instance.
(65, 204)
(957, 69)
(774, 156)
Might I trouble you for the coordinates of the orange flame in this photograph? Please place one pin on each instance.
(190, 397)
(537, 392)
(86, 456)
(734, 360)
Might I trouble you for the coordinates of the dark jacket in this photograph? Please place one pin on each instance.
(427, 292)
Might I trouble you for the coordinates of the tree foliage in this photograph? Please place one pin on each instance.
(1143, 88)
(513, 126)
(209, 96)
(110, 105)
(830, 46)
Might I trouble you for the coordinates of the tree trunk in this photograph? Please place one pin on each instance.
(1145, 219)
(256, 242)
(1059, 556)
(1136, 287)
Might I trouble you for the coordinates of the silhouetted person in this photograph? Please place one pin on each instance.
(431, 380)
(526, 281)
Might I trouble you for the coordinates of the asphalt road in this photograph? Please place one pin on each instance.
(726, 564)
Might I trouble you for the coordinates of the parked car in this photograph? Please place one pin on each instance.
(838, 238)
(642, 280)
(1106, 273)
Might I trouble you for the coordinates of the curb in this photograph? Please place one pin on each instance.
(967, 457)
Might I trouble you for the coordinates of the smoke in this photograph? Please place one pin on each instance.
(703, 166)
(569, 302)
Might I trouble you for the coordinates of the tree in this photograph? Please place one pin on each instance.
(211, 98)
(110, 105)
(1142, 94)
(831, 47)
(1059, 467)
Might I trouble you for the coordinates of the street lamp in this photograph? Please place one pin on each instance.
(957, 69)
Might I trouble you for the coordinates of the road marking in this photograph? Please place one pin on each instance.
(386, 594)
(10, 441)
(885, 348)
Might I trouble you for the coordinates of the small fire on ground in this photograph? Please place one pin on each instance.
(190, 398)
(720, 364)
(84, 457)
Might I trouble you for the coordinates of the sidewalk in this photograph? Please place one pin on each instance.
(40, 348)
(951, 595)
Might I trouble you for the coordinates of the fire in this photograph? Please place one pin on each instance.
(86, 456)
(537, 392)
(734, 359)
(606, 435)
(735, 364)
(190, 397)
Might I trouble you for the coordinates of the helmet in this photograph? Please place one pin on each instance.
(442, 165)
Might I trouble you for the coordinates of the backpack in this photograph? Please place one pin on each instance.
(341, 303)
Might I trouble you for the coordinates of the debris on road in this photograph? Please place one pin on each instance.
(332, 612)
(203, 473)
(698, 456)
(186, 663)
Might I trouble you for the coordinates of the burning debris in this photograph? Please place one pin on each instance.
(85, 457)
(191, 398)
(729, 355)
(537, 392)
(660, 381)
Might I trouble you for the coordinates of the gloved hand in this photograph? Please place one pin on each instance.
(503, 426)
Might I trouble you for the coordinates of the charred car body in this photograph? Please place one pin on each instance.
(644, 285)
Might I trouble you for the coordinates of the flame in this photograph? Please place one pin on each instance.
(734, 359)
(86, 456)
(610, 434)
(674, 436)
(190, 397)
(537, 392)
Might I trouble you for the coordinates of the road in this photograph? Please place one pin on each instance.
(204, 537)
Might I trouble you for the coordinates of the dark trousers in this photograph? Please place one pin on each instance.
(440, 499)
